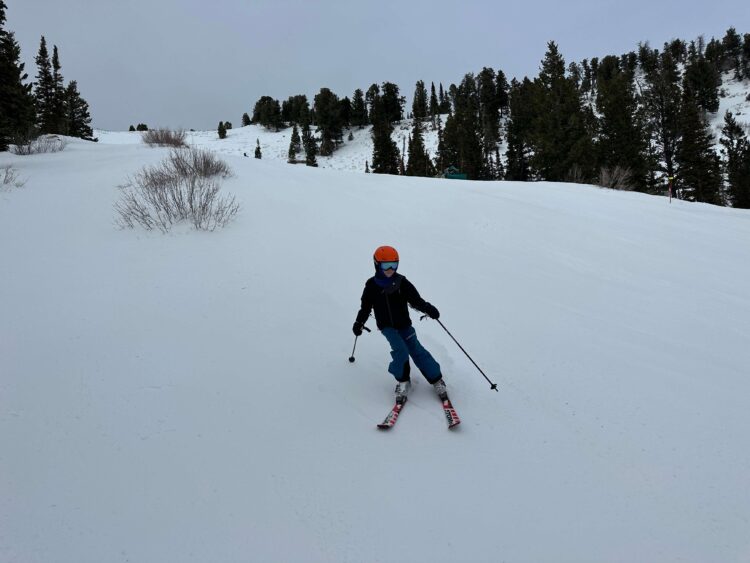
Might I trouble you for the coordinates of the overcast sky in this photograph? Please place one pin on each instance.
(193, 63)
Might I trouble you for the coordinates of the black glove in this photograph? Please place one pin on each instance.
(432, 311)
(357, 328)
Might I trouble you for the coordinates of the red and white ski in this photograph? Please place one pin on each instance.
(451, 416)
(392, 417)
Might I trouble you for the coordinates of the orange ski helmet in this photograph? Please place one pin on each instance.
(385, 254)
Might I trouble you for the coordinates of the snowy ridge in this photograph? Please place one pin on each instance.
(352, 155)
(734, 98)
(187, 397)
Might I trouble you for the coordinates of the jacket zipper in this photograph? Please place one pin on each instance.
(388, 304)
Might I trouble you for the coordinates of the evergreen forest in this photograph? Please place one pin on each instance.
(46, 106)
(636, 121)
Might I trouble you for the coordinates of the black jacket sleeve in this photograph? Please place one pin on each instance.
(366, 307)
(412, 296)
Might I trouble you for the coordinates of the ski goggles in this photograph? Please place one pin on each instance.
(388, 266)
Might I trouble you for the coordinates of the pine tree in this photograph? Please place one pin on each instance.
(222, 130)
(714, 54)
(245, 120)
(295, 109)
(267, 112)
(345, 112)
(621, 142)
(419, 104)
(77, 113)
(489, 110)
(131, 129)
(17, 113)
(330, 124)
(702, 78)
(419, 161)
(502, 93)
(677, 49)
(444, 101)
(372, 93)
(58, 95)
(732, 47)
(736, 151)
(310, 146)
(392, 103)
(385, 153)
(562, 143)
(441, 159)
(258, 154)
(434, 104)
(699, 176)
(462, 134)
(44, 91)
(499, 169)
(295, 145)
(662, 104)
(359, 109)
(520, 130)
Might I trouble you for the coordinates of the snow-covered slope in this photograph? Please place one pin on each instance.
(353, 154)
(350, 156)
(187, 397)
(734, 97)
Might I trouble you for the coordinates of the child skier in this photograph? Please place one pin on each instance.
(388, 294)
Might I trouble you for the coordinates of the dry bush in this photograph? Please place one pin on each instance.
(38, 145)
(9, 178)
(616, 178)
(183, 163)
(184, 187)
(575, 175)
(181, 199)
(197, 162)
(165, 138)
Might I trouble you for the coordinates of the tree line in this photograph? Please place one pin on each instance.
(637, 121)
(46, 106)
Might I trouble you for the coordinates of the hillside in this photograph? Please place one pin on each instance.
(352, 155)
(187, 397)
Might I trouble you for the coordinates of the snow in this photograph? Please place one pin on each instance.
(350, 156)
(187, 397)
(734, 99)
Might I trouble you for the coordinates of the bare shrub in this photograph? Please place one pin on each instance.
(616, 178)
(197, 162)
(9, 178)
(575, 175)
(165, 138)
(182, 199)
(184, 187)
(38, 145)
(183, 163)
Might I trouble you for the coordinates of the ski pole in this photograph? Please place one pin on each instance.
(492, 385)
(351, 358)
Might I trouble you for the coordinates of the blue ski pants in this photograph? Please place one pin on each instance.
(404, 343)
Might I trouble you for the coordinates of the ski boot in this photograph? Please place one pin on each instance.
(402, 390)
(441, 389)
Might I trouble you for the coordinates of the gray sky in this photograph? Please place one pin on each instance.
(193, 63)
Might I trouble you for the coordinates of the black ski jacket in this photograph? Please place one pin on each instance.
(390, 303)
